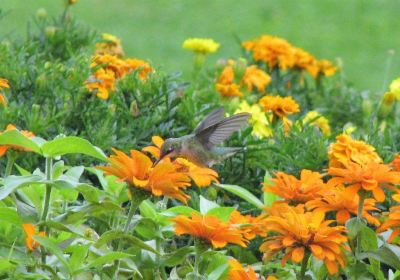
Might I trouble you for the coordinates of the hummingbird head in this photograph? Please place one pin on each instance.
(170, 148)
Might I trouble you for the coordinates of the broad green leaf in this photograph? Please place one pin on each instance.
(148, 229)
(5, 265)
(223, 213)
(388, 254)
(242, 193)
(113, 235)
(217, 273)
(178, 256)
(53, 248)
(12, 183)
(16, 138)
(148, 209)
(72, 145)
(10, 215)
(90, 193)
(179, 210)
(354, 226)
(64, 227)
(108, 258)
(206, 205)
(78, 255)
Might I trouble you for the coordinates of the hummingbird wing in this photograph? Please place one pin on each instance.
(211, 119)
(222, 130)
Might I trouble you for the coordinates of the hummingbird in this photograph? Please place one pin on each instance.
(200, 147)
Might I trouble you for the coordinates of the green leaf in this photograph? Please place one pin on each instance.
(78, 255)
(12, 183)
(72, 145)
(52, 248)
(10, 215)
(242, 193)
(223, 213)
(217, 273)
(179, 210)
(148, 209)
(388, 254)
(206, 205)
(113, 234)
(5, 265)
(14, 137)
(353, 227)
(108, 258)
(90, 193)
(64, 227)
(269, 198)
(148, 229)
(177, 257)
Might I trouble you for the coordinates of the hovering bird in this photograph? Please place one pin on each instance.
(199, 147)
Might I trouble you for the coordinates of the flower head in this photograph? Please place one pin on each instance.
(209, 228)
(340, 200)
(372, 177)
(396, 163)
(200, 45)
(5, 148)
(258, 120)
(250, 226)
(110, 44)
(254, 77)
(237, 271)
(295, 231)
(393, 220)
(310, 186)
(30, 230)
(280, 106)
(315, 119)
(346, 149)
(395, 87)
(3, 84)
(326, 68)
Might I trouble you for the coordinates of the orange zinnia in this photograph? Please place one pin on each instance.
(396, 163)
(209, 228)
(30, 230)
(237, 272)
(310, 186)
(341, 201)
(297, 232)
(346, 149)
(137, 171)
(393, 221)
(372, 177)
(5, 148)
(250, 226)
(201, 176)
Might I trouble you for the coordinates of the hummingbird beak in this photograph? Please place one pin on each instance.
(158, 160)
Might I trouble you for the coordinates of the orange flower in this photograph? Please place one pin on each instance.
(306, 61)
(137, 171)
(250, 226)
(393, 221)
(346, 149)
(31, 230)
(229, 90)
(5, 148)
(372, 177)
(255, 77)
(237, 272)
(310, 186)
(4, 83)
(298, 232)
(396, 163)
(103, 81)
(280, 106)
(344, 203)
(201, 176)
(209, 228)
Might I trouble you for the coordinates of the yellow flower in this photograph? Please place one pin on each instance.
(3, 84)
(326, 68)
(200, 45)
(395, 87)
(315, 119)
(346, 150)
(111, 45)
(258, 120)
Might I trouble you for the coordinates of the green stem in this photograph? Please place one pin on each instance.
(359, 218)
(46, 204)
(10, 163)
(304, 266)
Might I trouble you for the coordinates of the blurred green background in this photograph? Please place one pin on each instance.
(361, 33)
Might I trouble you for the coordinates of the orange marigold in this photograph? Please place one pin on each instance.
(5, 148)
(326, 68)
(255, 78)
(231, 90)
(338, 199)
(209, 228)
(346, 149)
(393, 220)
(103, 81)
(280, 106)
(372, 177)
(310, 186)
(297, 232)
(30, 230)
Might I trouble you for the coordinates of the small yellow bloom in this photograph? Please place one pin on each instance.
(315, 119)
(110, 45)
(259, 121)
(326, 68)
(395, 87)
(200, 45)
(4, 83)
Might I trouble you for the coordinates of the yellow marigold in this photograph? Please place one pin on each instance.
(372, 177)
(110, 45)
(258, 120)
(393, 220)
(310, 186)
(30, 230)
(395, 88)
(5, 148)
(137, 170)
(296, 232)
(255, 77)
(209, 228)
(315, 119)
(200, 45)
(340, 200)
(4, 83)
(326, 68)
(274, 51)
(201, 176)
(346, 149)
(280, 106)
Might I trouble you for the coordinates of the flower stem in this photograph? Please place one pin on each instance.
(46, 203)
(304, 266)
(10, 163)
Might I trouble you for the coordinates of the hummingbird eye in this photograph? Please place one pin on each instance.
(170, 150)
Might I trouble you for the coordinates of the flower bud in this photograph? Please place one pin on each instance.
(387, 104)
(50, 31)
(41, 13)
(134, 109)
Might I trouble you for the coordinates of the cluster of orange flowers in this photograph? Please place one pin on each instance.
(277, 52)
(109, 68)
(5, 148)
(166, 178)
(236, 76)
(3, 84)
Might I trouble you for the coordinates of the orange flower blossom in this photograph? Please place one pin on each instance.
(30, 230)
(393, 220)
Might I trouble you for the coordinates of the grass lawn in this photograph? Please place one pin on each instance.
(359, 32)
